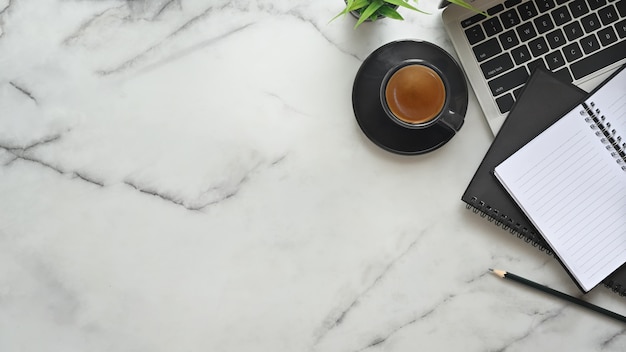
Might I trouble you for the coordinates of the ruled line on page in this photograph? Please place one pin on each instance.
(586, 246)
(582, 223)
(601, 245)
(586, 196)
(529, 177)
(558, 171)
(555, 208)
(531, 169)
(588, 207)
(599, 266)
(584, 229)
(558, 189)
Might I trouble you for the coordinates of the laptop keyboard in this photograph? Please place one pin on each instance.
(572, 38)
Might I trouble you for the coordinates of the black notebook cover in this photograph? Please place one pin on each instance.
(543, 101)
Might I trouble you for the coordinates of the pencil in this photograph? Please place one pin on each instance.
(506, 275)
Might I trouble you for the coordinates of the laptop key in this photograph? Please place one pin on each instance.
(556, 38)
(526, 32)
(538, 46)
(545, 5)
(492, 26)
(596, 4)
(472, 20)
(508, 81)
(608, 15)
(598, 60)
(508, 39)
(572, 52)
(535, 64)
(573, 31)
(475, 34)
(511, 3)
(555, 60)
(497, 65)
(621, 8)
(561, 15)
(590, 22)
(589, 44)
(510, 18)
(564, 75)
(505, 103)
(527, 10)
(543, 23)
(494, 10)
(607, 36)
(521, 54)
(486, 50)
(578, 8)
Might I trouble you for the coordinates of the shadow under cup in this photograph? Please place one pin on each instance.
(413, 94)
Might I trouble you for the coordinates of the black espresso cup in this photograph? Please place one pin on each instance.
(414, 95)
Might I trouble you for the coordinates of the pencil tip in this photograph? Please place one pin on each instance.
(500, 273)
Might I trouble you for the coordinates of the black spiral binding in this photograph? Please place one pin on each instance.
(494, 216)
(607, 134)
(502, 220)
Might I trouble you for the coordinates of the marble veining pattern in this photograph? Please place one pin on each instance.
(187, 175)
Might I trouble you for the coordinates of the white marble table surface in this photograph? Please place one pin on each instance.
(187, 175)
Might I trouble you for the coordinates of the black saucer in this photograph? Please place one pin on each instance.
(368, 109)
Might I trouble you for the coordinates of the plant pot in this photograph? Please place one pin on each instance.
(357, 13)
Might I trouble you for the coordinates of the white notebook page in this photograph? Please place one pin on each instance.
(574, 191)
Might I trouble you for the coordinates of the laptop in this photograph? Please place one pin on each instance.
(581, 41)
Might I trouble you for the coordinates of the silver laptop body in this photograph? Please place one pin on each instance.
(583, 45)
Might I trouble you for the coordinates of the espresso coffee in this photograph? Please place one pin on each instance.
(415, 94)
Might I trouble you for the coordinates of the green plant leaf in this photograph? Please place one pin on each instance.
(351, 5)
(404, 4)
(345, 11)
(401, 3)
(370, 10)
(358, 4)
(390, 12)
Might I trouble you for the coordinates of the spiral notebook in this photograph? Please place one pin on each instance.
(570, 181)
(544, 100)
